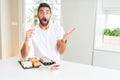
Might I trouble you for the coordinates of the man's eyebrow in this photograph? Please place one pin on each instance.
(45, 10)
(41, 10)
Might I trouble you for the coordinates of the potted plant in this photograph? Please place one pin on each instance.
(111, 36)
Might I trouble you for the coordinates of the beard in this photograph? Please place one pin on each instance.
(44, 22)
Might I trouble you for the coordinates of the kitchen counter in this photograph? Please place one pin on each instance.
(10, 69)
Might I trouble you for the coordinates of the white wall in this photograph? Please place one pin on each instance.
(80, 14)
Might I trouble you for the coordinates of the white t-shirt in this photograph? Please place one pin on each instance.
(44, 42)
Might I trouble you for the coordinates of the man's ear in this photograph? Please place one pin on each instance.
(37, 15)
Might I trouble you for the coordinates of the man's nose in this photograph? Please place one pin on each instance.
(44, 14)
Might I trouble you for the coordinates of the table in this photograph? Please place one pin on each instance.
(10, 69)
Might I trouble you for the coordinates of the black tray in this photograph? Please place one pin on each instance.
(27, 67)
(45, 64)
(48, 63)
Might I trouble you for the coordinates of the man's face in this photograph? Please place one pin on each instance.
(44, 15)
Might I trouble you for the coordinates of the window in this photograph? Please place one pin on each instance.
(107, 17)
(113, 20)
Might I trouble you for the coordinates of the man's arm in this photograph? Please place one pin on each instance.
(26, 48)
(61, 46)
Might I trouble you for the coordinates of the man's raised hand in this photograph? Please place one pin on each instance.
(29, 34)
(65, 36)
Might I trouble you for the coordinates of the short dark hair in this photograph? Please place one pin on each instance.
(44, 5)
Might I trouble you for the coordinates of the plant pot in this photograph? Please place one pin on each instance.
(111, 40)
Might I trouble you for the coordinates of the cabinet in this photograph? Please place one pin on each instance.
(107, 59)
(9, 33)
(5, 28)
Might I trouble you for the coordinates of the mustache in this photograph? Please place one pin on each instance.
(45, 20)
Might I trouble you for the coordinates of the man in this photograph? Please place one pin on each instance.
(47, 40)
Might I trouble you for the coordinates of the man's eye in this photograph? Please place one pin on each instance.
(47, 13)
(44, 12)
(41, 12)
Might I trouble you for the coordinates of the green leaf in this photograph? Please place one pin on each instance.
(114, 32)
